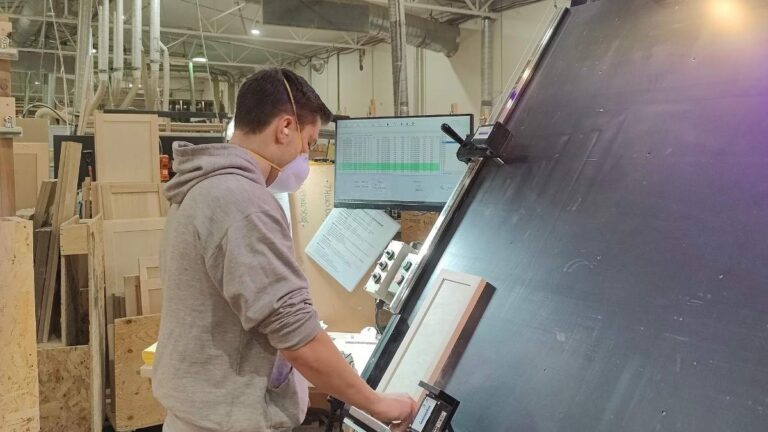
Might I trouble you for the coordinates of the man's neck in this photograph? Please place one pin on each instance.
(253, 143)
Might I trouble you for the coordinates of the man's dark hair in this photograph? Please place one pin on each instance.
(263, 97)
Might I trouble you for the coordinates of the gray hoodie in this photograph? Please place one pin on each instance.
(233, 295)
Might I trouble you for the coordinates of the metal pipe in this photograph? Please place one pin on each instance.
(103, 66)
(84, 14)
(50, 97)
(117, 51)
(399, 65)
(486, 70)
(192, 96)
(154, 52)
(136, 57)
(166, 77)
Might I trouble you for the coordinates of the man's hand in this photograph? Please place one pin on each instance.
(398, 409)
(320, 362)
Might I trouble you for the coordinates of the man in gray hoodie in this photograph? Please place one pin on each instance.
(237, 317)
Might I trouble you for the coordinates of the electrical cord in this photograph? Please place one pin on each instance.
(377, 319)
(40, 104)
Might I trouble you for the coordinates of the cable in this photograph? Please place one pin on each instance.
(40, 104)
(376, 317)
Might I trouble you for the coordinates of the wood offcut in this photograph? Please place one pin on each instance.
(63, 210)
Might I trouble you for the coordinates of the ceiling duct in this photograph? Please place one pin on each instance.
(360, 18)
(48, 62)
(25, 29)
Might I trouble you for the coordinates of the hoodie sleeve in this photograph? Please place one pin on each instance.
(256, 271)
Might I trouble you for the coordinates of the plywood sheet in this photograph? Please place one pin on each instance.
(125, 241)
(343, 311)
(134, 405)
(127, 148)
(34, 130)
(433, 333)
(65, 388)
(31, 167)
(131, 200)
(19, 398)
(73, 238)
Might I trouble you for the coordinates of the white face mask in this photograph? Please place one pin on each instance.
(292, 176)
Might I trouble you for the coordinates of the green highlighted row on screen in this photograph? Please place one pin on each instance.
(389, 166)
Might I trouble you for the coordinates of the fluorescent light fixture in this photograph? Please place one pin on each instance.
(255, 32)
(199, 59)
(93, 50)
(37, 82)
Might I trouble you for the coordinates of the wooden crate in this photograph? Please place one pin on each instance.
(133, 405)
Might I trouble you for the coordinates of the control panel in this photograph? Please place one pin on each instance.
(387, 270)
(404, 274)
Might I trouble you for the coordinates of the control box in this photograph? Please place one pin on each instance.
(404, 274)
(387, 269)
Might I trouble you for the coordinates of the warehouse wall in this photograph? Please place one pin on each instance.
(435, 81)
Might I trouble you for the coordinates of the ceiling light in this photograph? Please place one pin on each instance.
(37, 82)
(255, 32)
(199, 59)
(93, 50)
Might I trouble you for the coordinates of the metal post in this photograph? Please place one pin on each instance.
(399, 65)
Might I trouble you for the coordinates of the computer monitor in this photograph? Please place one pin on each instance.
(404, 163)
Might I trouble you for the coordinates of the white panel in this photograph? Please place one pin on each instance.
(433, 333)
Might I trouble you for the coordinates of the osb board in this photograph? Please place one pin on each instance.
(415, 226)
(433, 333)
(31, 166)
(65, 388)
(134, 405)
(126, 240)
(96, 318)
(33, 130)
(341, 310)
(131, 200)
(127, 148)
(19, 397)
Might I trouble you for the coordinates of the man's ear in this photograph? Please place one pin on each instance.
(283, 125)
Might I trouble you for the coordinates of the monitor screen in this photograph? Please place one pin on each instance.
(398, 162)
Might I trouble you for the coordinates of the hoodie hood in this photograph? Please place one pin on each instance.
(195, 163)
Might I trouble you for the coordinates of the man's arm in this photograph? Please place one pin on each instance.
(321, 363)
